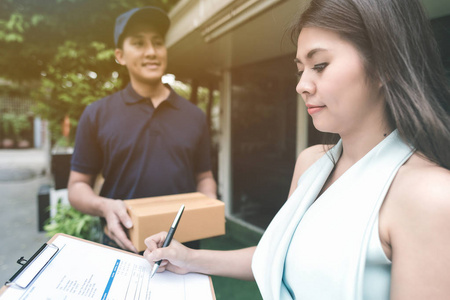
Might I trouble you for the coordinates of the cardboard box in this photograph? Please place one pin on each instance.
(203, 217)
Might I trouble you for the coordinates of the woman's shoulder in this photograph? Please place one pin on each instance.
(310, 155)
(423, 181)
(420, 194)
(305, 159)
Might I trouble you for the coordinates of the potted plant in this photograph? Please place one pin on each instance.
(14, 126)
(72, 222)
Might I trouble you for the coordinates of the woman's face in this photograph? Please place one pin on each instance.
(334, 85)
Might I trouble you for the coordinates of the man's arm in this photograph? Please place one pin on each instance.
(206, 184)
(83, 198)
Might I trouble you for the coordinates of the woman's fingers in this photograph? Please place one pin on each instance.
(155, 241)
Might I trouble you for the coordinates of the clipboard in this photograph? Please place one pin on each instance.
(57, 266)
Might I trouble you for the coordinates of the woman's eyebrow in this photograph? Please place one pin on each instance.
(309, 55)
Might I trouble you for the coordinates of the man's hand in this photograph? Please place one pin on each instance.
(83, 198)
(118, 220)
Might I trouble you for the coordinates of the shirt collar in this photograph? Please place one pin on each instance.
(130, 96)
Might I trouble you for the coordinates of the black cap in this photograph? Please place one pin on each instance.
(151, 14)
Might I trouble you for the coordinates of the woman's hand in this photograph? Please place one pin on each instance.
(180, 259)
(175, 257)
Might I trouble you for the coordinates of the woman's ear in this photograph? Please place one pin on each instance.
(380, 82)
(119, 56)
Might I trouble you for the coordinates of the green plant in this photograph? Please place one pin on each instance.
(70, 221)
(78, 75)
(14, 124)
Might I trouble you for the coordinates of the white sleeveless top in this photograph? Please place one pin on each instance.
(330, 248)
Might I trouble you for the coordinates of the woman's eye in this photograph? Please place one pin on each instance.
(300, 73)
(320, 67)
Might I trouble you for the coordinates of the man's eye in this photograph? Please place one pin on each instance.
(320, 67)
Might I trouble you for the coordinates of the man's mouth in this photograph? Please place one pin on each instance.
(151, 64)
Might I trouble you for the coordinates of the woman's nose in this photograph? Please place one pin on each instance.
(305, 85)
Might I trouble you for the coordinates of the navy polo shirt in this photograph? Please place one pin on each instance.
(142, 151)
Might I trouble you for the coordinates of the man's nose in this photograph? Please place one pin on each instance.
(150, 50)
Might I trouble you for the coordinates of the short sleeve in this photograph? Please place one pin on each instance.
(87, 155)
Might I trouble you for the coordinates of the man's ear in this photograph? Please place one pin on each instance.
(119, 56)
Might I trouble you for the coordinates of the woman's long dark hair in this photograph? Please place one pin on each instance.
(398, 48)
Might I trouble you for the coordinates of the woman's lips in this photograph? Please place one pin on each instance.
(312, 109)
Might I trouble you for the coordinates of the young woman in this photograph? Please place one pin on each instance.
(369, 217)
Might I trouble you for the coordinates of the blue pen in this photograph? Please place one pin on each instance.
(169, 237)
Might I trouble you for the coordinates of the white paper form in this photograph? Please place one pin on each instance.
(83, 270)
